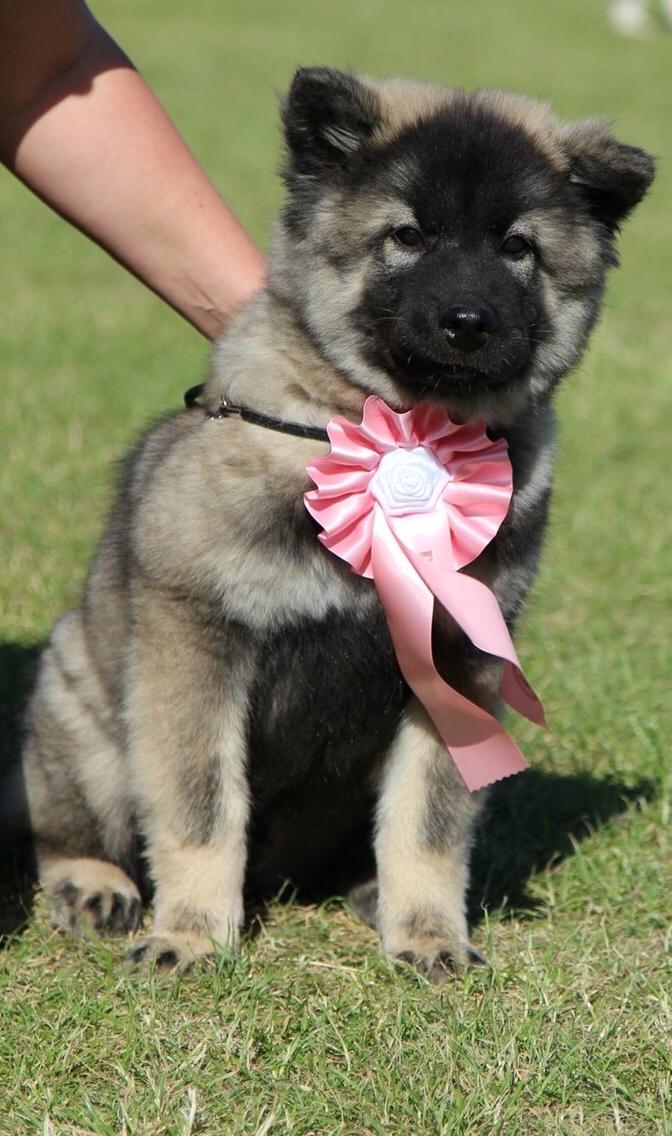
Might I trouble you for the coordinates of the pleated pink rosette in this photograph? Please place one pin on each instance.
(407, 500)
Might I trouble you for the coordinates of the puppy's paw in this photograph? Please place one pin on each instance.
(92, 896)
(432, 944)
(174, 950)
(442, 962)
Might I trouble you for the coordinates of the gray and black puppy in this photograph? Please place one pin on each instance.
(226, 696)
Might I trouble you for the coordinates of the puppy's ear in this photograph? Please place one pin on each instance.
(610, 176)
(328, 115)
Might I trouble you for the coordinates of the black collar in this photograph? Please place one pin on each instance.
(227, 410)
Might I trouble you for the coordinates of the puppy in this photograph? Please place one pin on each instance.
(226, 697)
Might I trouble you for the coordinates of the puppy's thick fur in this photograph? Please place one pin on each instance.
(227, 695)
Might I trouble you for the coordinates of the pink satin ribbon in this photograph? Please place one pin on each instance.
(410, 522)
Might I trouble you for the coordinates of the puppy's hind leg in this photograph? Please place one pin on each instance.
(424, 821)
(75, 782)
(186, 713)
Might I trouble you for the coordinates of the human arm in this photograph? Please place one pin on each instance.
(82, 129)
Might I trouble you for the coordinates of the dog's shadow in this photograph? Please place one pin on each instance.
(18, 664)
(532, 822)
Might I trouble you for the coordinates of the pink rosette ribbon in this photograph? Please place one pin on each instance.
(408, 500)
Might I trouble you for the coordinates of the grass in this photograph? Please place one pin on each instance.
(311, 1030)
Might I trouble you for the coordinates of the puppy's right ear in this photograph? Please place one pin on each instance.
(328, 115)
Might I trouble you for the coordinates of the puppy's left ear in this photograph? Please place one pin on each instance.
(610, 176)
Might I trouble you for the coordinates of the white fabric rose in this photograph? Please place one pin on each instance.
(409, 481)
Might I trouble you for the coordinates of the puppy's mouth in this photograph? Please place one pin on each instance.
(427, 374)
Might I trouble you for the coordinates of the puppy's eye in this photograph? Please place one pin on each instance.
(516, 247)
(408, 236)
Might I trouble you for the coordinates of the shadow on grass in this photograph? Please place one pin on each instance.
(18, 664)
(534, 821)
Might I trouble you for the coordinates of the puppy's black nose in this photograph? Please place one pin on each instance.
(467, 326)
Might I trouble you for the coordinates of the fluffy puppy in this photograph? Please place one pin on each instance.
(226, 695)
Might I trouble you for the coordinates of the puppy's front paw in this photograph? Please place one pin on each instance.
(429, 942)
(170, 951)
(92, 895)
(442, 962)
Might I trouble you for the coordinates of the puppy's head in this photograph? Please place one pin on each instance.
(444, 245)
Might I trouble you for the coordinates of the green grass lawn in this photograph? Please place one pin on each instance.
(311, 1031)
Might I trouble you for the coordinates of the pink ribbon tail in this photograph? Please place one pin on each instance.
(480, 747)
(475, 609)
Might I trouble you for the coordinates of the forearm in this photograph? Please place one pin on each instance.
(96, 145)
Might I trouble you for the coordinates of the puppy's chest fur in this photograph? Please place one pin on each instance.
(325, 704)
(326, 693)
